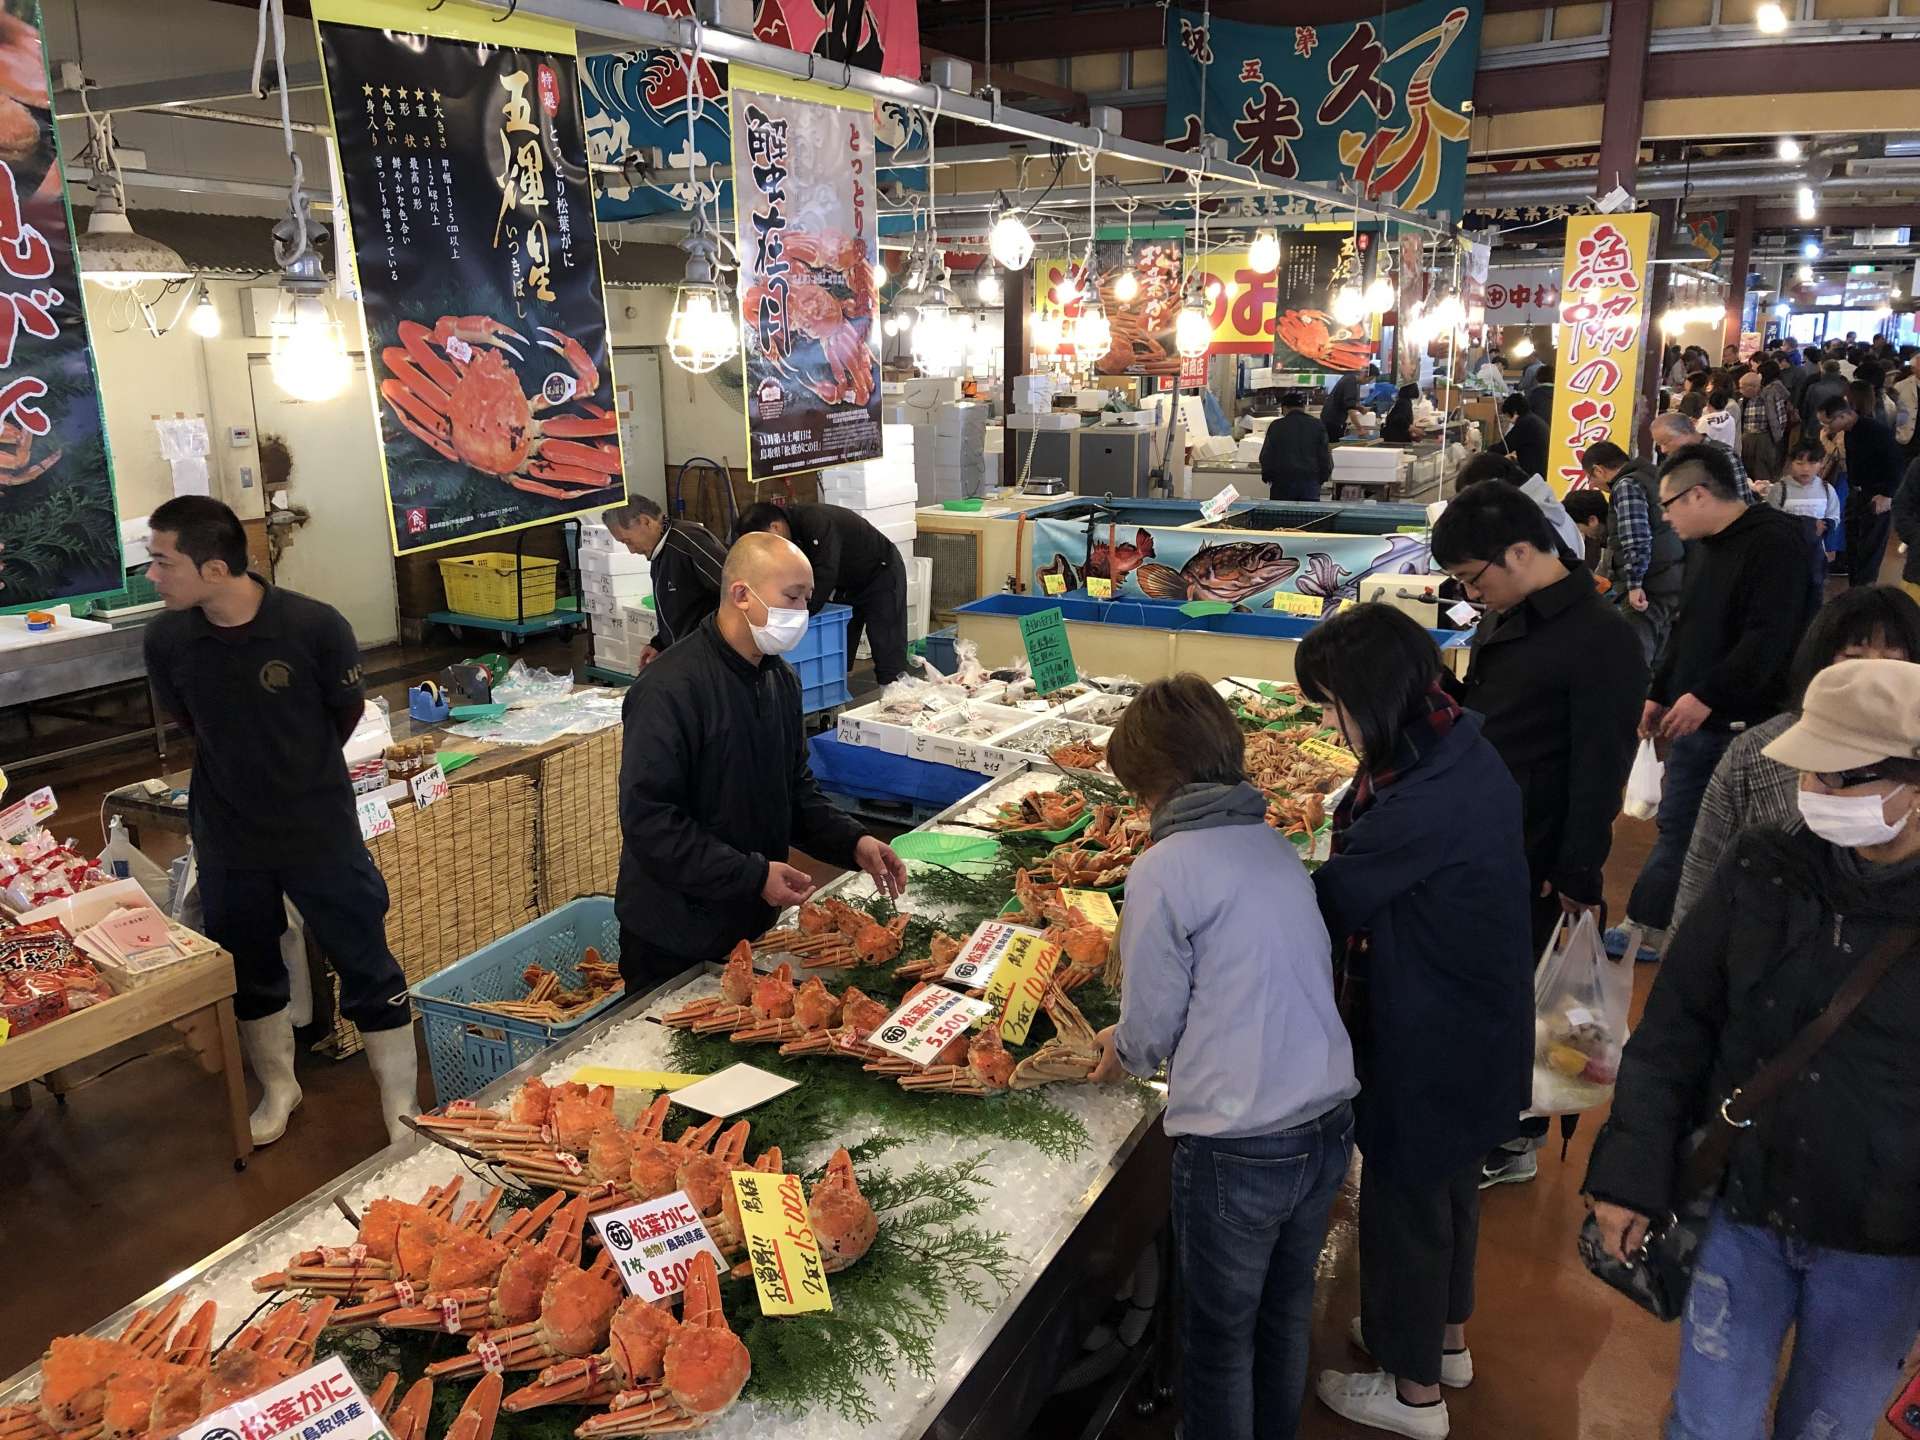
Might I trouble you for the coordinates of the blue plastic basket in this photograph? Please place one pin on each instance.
(821, 659)
(470, 1048)
(940, 651)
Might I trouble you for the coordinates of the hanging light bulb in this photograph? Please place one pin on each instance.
(1264, 255)
(1379, 295)
(881, 275)
(890, 327)
(703, 332)
(1215, 289)
(1522, 348)
(1092, 332)
(937, 344)
(1808, 205)
(1045, 332)
(903, 320)
(1126, 286)
(986, 286)
(1010, 240)
(205, 320)
(1806, 274)
(1349, 305)
(1193, 328)
(1770, 18)
(1789, 148)
(308, 350)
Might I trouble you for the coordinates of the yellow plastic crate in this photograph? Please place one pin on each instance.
(488, 586)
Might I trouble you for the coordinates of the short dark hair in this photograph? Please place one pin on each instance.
(1715, 460)
(1585, 504)
(1855, 617)
(1489, 466)
(1809, 450)
(1293, 399)
(1516, 406)
(1484, 519)
(630, 510)
(1378, 664)
(1833, 404)
(1603, 452)
(1718, 399)
(203, 530)
(1769, 371)
(1544, 375)
(760, 516)
(1178, 731)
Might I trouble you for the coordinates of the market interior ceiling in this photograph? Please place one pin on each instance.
(202, 147)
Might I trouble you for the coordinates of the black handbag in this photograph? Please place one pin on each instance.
(1656, 1279)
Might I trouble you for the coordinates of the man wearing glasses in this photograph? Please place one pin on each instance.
(1725, 666)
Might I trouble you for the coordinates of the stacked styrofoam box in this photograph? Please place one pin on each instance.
(919, 597)
(1032, 392)
(883, 491)
(1043, 420)
(960, 453)
(611, 579)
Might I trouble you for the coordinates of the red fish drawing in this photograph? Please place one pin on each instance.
(1122, 560)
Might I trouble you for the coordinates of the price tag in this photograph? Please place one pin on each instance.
(976, 961)
(17, 819)
(653, 1244)
(1048, 654)
(322, 1397)
(920, 1029)
(1292, 603)
(1099, 587)
(1461, 613)
(1020, 981)
(376, 817)
(428, 786)
(1093, 906)
(633, 1079)
(788, 1272)
(1053, 583)
(1333, 754)
(1215, 506)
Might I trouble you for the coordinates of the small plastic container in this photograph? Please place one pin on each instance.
(821, 660)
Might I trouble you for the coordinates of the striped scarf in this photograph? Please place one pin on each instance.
(1433, 717)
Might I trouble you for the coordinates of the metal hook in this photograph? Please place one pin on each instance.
(512, 6)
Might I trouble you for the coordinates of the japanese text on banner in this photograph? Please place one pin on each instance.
(788, 1272)
(1603, 319)
(323, 1400)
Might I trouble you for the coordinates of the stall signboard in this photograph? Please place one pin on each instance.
(465, 164)
(1410, 289)
(1380, 102)
(59, 528)
(653, 1244)
(789, 1273)
(1528, 295)
(321, 1400)
(1143, 326)
(976, 962)
(1603, 327)
(1241, 309)
(1049, 655)
(878, 35)
(1170, 563)
(805, 221)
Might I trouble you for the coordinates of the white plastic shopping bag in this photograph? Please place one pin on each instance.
(1580, 1002)
(1643, 783)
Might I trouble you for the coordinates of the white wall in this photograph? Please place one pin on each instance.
(701, 419)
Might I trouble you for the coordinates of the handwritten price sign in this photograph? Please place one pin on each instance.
(654, 1243)
(788, 1272)
(1020, 981)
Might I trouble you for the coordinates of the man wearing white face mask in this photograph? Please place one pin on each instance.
(714, 781)
(1783, 1020)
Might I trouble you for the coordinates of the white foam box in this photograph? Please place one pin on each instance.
(602, 607)
(935, 744)
(641, 623)
(966, 418)
(613, 654)
(900, 532)
(870, 490)
(617, 561)
(996, 440)
(896, 440)
(1369, 457)
(621, 588)
(895, 515)
(1044, 420)
(595, 536)
(862, 726)
(907, 557)
(923, 393)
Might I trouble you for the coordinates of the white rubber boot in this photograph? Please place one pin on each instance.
(396, 1065)
(269, 1046)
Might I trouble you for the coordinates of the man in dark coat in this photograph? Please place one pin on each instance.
(853, 564)
(683, 561)
(1295, 458)
(714, 780)
(1341, 401)
(1874, 469)
(1523, 436)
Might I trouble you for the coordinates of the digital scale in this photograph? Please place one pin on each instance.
(1044, 485)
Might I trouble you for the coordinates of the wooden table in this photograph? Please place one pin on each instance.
(200, 984)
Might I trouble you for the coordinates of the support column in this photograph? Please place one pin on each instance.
(1620, 123)
(1737, 283)
(1013, 360)
(1659, 296)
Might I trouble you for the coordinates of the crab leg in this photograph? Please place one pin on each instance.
(577, 425)
(408, 1419)
(192, 1342)
(575, 354)
(476, 1418)
(554, 492)
(32, 472)
(574, 452)
(147, 1331)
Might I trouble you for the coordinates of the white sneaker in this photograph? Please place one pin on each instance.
(1456, 1366)
(1374, 1400)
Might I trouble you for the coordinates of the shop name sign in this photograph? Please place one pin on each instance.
(653, 1244)
(323, 1400)
(1603, 325)
(925, 1023)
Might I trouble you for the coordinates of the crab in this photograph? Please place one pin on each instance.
(940, 952)
(812, 307)
(1041, 810)
(703, 1368)
(1317, 336)
(16, 449)
(511, 1296)
(1086, 947)
(814, 1008)
(843, 1221)
(736, 991)
(452, 390)
(636, 1341)
(860, 1016)
(373, 1262)
(1078, 755)
(703, 1174)
(988, 1069)
(576, 1308)
(407, 1419)
(725, 1227)
(1072, 1052)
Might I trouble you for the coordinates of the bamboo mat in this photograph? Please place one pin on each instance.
(580, 820)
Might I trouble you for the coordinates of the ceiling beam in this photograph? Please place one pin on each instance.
(209, 89)
(1787, 217)
(1011, 82)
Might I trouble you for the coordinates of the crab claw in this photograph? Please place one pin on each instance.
(476, 1418)
(478, 330)
(575, 354)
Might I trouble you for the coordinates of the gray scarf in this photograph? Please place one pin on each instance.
(1202, 807)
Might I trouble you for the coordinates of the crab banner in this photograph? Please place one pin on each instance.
(1603, 329)
(465, 160)
(59, 534)
(1381, 102)
(805, 220)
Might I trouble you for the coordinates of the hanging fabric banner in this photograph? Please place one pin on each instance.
(1381, 103)
(466, 169)
(1306, 336)
(878, 35)
(1240, 307)
(1410, 289)
(59, 531)
(804, 221)
(1603, 323)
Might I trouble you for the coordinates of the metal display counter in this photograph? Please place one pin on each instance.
(36, 674)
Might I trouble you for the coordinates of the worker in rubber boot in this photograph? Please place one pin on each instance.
(268, 684)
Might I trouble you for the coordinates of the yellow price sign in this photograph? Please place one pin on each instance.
(1094, 906)
(1292, 603)
(1020, 981)
(633, 1079)
(1332, 754)
(788, 1272)
(1099, 587)
(1054, 584)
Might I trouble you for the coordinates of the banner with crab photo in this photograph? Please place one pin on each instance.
(59, 532)
(805, 218)
(465, 160)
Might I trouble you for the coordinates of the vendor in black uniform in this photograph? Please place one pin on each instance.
(714, 781)
(1295, 458)
(684, 560)
(268, 684)
(854, 564)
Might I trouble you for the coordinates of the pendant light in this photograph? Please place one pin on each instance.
(986, 285)
(1126, 287)
(112, 254)
(205, 320)
(1092, 334)
(1193, 327)
(1349, 305)
(1010, 240)
(704, 332)
(1263, 258)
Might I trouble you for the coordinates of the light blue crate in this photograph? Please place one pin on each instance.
(821, 660)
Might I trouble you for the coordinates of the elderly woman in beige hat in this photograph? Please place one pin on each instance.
(1789, 1010)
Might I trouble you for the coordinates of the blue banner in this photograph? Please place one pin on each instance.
(1383, 102)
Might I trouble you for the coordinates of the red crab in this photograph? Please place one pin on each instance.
(816, 309)
(1317, 336)
(453, 391)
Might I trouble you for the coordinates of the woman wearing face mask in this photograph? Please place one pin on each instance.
(1228, 982)
(1426, 900)
(1816, 1222)
(1872, 622)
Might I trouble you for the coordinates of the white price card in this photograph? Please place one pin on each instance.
(429, 785)
(736, 1088)
(1214, 506)
(975, 962)
(1461, 613)
(653, 1244)
(923, 1025)
(376, 817)
(322, 1400)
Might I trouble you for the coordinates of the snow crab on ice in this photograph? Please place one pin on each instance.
(451, 388)
(736, 992)
(987, 1071)
(1070, 1055)
(508, 1296)
(576, 1308)
(703, 1368)
(860, 1016)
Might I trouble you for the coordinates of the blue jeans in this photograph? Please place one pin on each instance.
(1690, 762)
(1249, 1218)
(1853, 1317)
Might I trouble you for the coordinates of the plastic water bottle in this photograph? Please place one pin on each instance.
(119, 846)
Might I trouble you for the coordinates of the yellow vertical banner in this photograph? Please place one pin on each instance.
(1603, 327)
